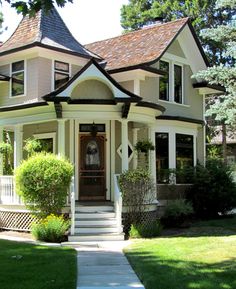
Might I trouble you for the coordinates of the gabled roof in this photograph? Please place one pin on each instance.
(47, 30)
(61, 94)
(140, 47)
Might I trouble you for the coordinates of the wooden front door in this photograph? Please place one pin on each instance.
(92, 173)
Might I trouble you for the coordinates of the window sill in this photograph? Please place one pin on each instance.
(174, 103)
(16, 96)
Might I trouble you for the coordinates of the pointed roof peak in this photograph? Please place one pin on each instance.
(44, 29)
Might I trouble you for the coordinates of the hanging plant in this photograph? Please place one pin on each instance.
(144, 146)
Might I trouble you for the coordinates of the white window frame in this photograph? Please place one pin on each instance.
(11, 73)
(172, 63)
(54, 70)
(46, 136)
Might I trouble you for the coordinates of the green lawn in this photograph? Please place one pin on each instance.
(203, 257)
(26, 266)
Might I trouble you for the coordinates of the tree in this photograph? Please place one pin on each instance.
(32, 6)
(138, 13)
(223, 107)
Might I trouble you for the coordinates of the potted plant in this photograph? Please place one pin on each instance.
(144, 146)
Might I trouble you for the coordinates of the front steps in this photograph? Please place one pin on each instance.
(95, 223)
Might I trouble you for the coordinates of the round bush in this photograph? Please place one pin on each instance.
(43, 181)
(213, 191)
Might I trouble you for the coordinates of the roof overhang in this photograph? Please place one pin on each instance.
(206, 88)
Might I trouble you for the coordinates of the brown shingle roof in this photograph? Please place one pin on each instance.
(138, 47)
(45, 29)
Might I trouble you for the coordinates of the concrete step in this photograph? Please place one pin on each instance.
(96, 237)
(95, 222)
(100, 215)
(93, 209)
(96, 229)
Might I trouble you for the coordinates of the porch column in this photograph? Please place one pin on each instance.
(61, 137)
(152, 154)
(124, 145)
(1, 156)
(18, 141)
(135, 139)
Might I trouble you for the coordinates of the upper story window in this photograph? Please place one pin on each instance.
(164, 81)
(61, 73)
(171, 84)
(178, 87)
(18, 78)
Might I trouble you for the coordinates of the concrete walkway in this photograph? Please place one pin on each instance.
(103, 265)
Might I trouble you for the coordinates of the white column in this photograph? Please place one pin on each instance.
(72, 141)
(124, 145)
(194, 150)
(137, 86)
(172, 150)
(152, 154)
(18, 141)
(135, 139)
(1, 156)
(113, 157)
(61, 137)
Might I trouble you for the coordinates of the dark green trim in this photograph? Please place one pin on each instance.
(22, 106)
(180, 118)
(204, 84)
(151, 105)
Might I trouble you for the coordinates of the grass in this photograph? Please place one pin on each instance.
(203, 257)
(27, 266)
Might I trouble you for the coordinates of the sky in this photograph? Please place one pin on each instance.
(88, 20)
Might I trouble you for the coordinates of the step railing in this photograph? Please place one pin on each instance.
(118, 203)
(8, 194)
(72, 206)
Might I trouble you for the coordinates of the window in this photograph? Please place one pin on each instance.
(61, 73)
(164, 81)
(178, 84)
(48, 141)
(184, 151)
(162, 157)
(17, 78)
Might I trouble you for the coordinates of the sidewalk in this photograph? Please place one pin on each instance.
(103, 265)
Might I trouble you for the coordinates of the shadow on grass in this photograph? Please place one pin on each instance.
(223, 226)
(156, 273)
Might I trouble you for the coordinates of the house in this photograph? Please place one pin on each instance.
(93, 103)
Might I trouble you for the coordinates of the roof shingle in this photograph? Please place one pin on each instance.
(138, 47)
(46, 29)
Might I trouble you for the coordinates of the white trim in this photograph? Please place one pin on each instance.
(112, 155)
(18, 141)
(175, 58)
(46, 136)
(108, 160)
(61, 149)
(77, 149)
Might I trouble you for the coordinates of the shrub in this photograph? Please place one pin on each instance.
(32, 146)
(213, 191)
(43, 181)
(6, 151)
(51, 229)
(137, 190)
(148, 230)
(177, 212)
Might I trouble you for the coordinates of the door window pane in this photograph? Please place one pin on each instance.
(164, 81)
(162, 157)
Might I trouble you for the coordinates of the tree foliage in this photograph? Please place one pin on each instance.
(223, 107)
(32, 6)
(201, 12)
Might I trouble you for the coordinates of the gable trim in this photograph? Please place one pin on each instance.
(23, 106)
(180, 118)
(133, 98)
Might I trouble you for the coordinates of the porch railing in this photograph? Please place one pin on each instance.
(8, 194)
(118, 203)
